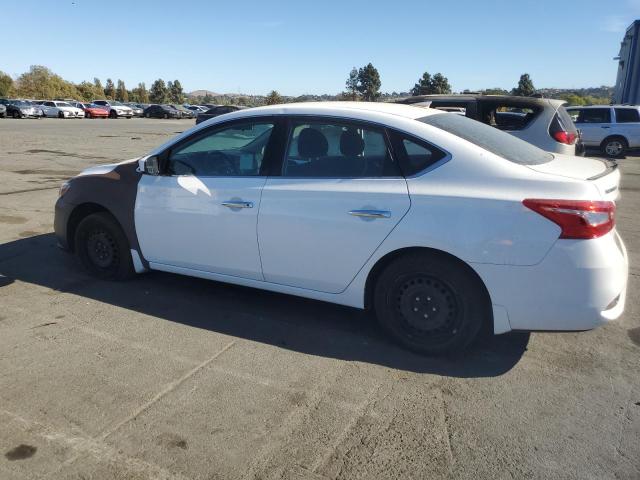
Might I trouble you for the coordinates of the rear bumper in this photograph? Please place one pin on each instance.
(580, 285)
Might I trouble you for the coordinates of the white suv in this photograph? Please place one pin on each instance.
(611, 128)
(115, 108)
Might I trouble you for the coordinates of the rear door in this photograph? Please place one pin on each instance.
(594, 125)
(628, 124)
(336, 196)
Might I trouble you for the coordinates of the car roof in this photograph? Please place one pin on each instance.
(505, 99)
(341, 108)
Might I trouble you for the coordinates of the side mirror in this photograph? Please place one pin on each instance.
(151, 165)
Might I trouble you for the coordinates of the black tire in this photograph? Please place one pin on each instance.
(146, 115)
(102, 247)
(430, 304)
(165, 116)
(60, 115)
(113, 114)
(614, 146)
(16, 115)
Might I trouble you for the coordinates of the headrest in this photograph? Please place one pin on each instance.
(312, 143)
(351, 143)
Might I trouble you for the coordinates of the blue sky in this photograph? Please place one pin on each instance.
(304, 46)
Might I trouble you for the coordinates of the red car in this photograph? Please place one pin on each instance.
(91, 110)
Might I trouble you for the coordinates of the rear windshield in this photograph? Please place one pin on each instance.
(495, 141)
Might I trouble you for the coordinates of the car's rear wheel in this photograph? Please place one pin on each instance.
(430, 304)
(102, 247)
(614, 147)
(16, 115)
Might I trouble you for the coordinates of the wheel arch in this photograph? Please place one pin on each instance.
(390, 257)
(615, 135)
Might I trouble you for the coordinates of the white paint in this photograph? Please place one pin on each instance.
(137, 262)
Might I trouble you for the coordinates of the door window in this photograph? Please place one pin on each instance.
(414, 155)
(627, 115)
(338, 150)
(595, 115)
(236, 150)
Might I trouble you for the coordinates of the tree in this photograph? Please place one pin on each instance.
(90, 91)
(495, 91)
(352, 85)
(440, 84)
(423, 87)
(110, 89)
(273, 98)
(6, 85)
(369, 83)
(121, 93)
(158, 92)
(175, 91)
(40, 82)
(428, 85)
(141, 93)
(525, 86)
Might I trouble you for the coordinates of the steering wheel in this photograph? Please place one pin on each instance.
(220, 164)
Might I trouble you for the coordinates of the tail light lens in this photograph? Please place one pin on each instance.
(565, 137)
(578, 219)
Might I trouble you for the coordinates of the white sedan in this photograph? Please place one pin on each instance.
(437, 223)
(61, 110)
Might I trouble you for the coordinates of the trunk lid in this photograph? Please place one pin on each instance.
(603, 173)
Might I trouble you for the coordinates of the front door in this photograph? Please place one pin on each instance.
(201, 212)
(594, 125)
(337, 197)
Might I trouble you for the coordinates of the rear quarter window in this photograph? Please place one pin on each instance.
(491, 139)
(627, 115)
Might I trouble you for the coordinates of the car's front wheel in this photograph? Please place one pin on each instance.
(430, 304)
(614, 147)
(102, 247)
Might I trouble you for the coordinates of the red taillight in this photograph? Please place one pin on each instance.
(565, 137)
(577, 218)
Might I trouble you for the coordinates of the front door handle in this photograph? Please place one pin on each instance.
(605, 126)
(370, 213)
(238, 204)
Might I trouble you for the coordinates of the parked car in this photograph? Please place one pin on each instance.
(161, 111)
(219, 110)
(196, 108)
(437, 223)
(3, 111)
(91, 110)
(542, 122)
(59, 109)
(611, 128)
(184, 113)
(115, 108)
(20, 108)
(137, 109)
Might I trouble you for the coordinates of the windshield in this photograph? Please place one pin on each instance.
(21, 103)
(495, 141)
(113, 102)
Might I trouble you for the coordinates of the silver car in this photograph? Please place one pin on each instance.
(543, 122)
(612, 128)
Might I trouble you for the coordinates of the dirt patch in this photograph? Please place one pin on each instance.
(60, 153)
(57, 173)
(21, 452)
(634, 335)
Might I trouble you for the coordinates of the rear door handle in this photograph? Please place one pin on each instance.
(370, 213)
(605, 126)
(238, 204)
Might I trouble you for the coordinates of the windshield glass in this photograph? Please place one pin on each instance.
(113, 102)
(21, 103)
(495, 141)
(62, 104)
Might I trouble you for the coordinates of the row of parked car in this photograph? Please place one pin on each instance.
(21, 108)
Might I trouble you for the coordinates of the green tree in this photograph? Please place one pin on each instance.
(99, 88)
(158, 92)
(40, 82)
(525, 86)
(423, 87)
(175, 92)
(6, 85)
(273, 98)
(495, 91)
(121, 92)
(89, 91)
(369, 83)
(110, 89)
(142, 94)
(352, 85)
(440, 84)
